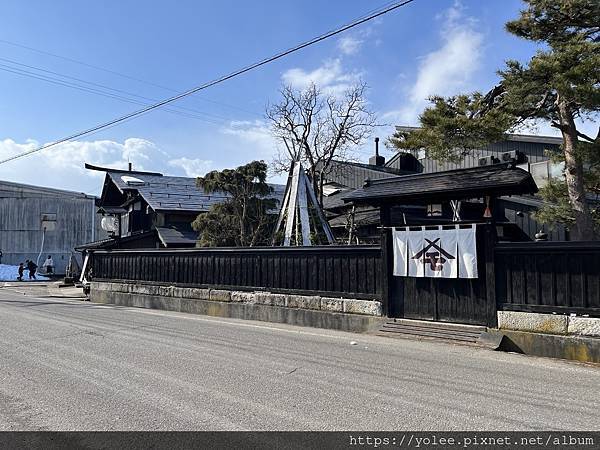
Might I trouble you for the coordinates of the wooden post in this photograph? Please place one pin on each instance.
(489, 241)
(291, 213)
(386, 258)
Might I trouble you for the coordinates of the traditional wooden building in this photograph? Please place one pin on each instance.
(457, 198)
(530, 153)
(152, 210)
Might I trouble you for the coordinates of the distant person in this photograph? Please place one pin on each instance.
(49, 265)
(0, 256)
(31, 266)
(21, 270)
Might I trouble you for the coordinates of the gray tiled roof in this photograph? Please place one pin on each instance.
(167, 193)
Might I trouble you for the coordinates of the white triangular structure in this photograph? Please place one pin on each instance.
(299, 194)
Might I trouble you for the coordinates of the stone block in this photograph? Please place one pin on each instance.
(304, 301)
(145, 289)
(165, 291)
(200, 294)
(176, 291)
(366, 307)
(267, 298)
(185, 293)
(533, 322)
(584, 326)
(243, 297)
(332, 304)
(119, 287)
(220, 295)
(98, 286)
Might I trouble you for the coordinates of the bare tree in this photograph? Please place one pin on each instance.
(315, 129)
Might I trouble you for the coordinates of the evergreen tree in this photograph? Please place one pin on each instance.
(247, 217)
(560, 84)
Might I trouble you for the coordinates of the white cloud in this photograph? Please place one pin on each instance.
(192, 167)
(447, 70)
(255, 136)
(257, 142)
(330, 77)
(63, 166)
(349, 45)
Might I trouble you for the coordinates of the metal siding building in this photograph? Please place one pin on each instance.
(533, 148)
(70, 219)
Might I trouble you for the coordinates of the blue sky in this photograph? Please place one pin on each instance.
(427, 47)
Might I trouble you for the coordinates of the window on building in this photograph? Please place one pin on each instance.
(49, 221)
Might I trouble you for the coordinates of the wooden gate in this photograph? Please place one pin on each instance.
(459, 300)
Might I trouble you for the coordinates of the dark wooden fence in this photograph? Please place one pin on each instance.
(547, 277)
(352, 271)
(550, 277)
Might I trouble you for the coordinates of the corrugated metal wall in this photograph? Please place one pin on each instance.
(21, 210)
(535, 152)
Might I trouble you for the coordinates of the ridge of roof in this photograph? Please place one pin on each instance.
(110, 169)
(371, 167)
(424, 175)
(46, 190)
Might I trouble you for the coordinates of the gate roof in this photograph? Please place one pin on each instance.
(493, 180)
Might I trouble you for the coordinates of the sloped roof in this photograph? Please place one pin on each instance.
(353, 174)
(167, 193)
(113, 242)
(8, 187)
(361, 218)
(177, 236)
(497, 180)
(371, 167)
(334, 200)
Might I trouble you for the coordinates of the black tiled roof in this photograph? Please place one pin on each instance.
(477, 182)
(371, 167)
(111, 242)
(353, 174)
(177, 236)
(361, 218)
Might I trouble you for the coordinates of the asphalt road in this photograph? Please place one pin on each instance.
(72, 365)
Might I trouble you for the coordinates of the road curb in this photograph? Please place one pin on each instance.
(576, 348)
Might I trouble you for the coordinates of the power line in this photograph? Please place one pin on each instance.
(103, 93)
(120, 74)
(215, 81)
(104, 86)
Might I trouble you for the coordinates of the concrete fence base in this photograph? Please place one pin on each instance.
(549, 323)
(314, 311)
(550, 335)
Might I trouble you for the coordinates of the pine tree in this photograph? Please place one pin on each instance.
(247, 217)
(560, 84)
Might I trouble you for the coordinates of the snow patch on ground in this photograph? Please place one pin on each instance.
(10, 273)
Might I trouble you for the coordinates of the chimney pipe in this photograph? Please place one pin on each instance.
(130, 167)
(377, 160)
